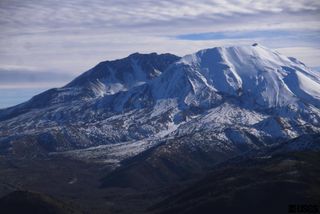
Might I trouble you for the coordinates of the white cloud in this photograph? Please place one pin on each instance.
(74, 35)
(308, 55)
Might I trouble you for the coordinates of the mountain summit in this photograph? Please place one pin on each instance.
(238, 98)
(250, 73)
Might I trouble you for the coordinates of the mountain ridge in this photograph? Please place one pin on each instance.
(248, 95)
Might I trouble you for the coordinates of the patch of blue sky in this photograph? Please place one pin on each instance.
(313, 36)
(11, 97)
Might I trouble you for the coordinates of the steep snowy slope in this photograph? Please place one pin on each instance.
(251, 73)
(106, 78)
(111, 77)
(257, 77)
(243, 96)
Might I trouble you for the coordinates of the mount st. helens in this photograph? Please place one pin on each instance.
(222, 101)
(230, 129)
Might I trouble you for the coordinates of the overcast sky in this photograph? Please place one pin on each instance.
(60, 39)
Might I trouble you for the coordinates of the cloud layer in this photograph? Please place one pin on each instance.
(24, 77)
(74, 35)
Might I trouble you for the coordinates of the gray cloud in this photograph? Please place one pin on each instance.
(18, 77)
(74, 35)
(124, 12)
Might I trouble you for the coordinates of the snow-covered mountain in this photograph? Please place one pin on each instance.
(226, 100)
